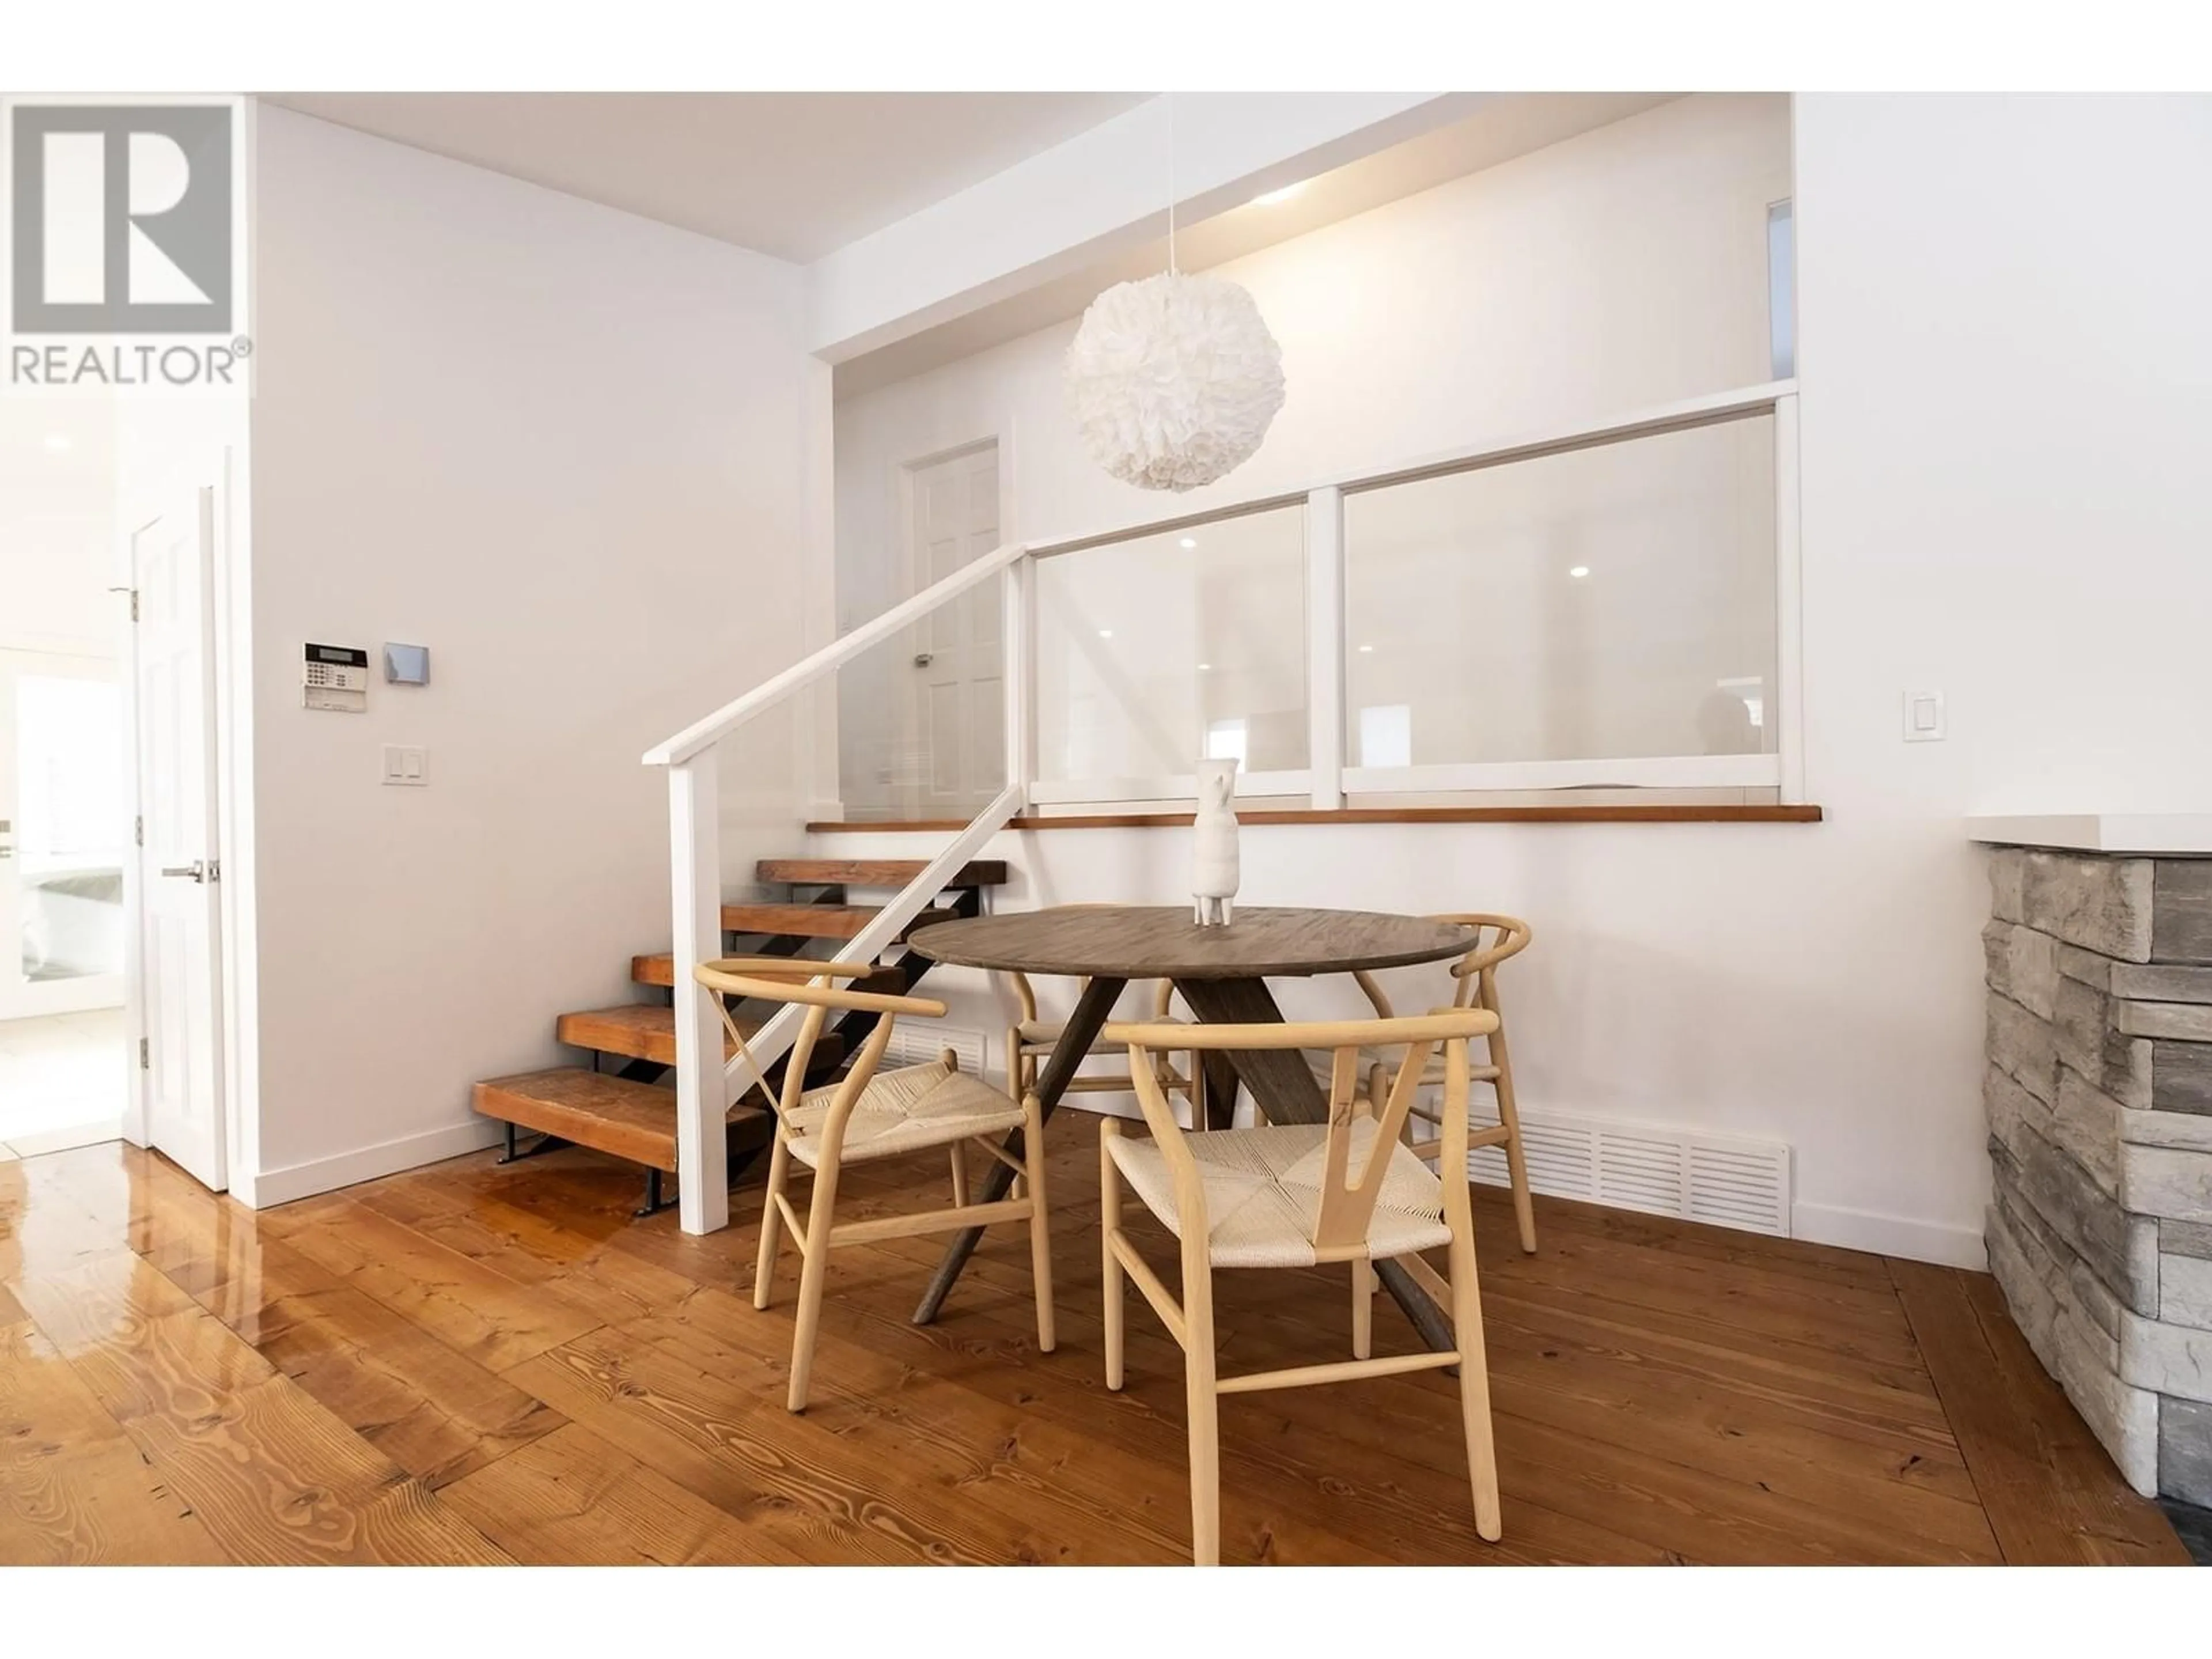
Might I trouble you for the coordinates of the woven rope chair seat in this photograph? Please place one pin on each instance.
(1263, 1193)
(904, 1111)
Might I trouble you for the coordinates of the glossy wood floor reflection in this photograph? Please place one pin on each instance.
(475, 1363)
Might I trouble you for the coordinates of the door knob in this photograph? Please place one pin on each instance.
(197, 870)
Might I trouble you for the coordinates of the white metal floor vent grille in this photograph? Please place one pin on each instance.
(920, 1042)
(1722, 1179)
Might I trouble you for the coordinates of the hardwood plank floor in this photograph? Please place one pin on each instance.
(572, 1498)
(2050, 1488)
(477, 1362)
(73, 1488)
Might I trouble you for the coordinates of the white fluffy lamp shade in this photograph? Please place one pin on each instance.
(1174, 381)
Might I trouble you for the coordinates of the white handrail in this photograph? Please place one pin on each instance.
(706, 1081)
(704, 735)
(774, 1039)
(1496, 451)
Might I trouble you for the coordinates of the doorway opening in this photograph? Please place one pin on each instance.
(65, 819)
(110, 930)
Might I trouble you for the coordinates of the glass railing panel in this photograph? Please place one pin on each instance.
(1156, 651)
(1609, 602)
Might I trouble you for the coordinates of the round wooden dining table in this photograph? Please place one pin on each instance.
(1222, 972)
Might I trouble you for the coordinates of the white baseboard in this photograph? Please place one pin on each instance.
(1818, 1224)
(1889, 1234)
(325, 1175)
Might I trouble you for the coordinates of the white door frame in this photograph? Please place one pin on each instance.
(999, 439)
(902, 481)
(134, 908)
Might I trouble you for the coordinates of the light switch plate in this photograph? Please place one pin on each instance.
(406, 765)
(1924, 719)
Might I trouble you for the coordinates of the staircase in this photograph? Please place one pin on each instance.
(621, 1102)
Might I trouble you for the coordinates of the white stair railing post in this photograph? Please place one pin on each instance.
(695, 872)
(1325, 646)
(1018, 677)
(1788, 700)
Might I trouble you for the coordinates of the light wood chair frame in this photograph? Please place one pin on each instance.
(1022, 1069)
(811, 984)
(1477, 975)
(1339, 1233)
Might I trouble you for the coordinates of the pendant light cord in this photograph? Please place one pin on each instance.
(1171, 185)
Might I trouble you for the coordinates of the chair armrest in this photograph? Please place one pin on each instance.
(1434, 1027)
(780, 979)
(796, 969)
(1514, 935)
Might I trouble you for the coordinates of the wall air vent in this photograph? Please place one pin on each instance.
(918, 1043)
(1724, 1180)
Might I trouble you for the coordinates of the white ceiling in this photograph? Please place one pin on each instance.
(791, 174)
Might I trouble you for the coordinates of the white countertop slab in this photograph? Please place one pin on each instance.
(2140, 833)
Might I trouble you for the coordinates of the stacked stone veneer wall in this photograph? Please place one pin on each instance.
(2100, 1098)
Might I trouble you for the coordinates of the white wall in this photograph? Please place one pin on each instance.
(2007, 384)
(564, 448)
(2008, 406)
(1624, 268)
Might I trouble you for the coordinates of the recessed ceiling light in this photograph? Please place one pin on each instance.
(57, 443)
(1579, 571)
(1105, 633)
(1205, 668)
(1275, 195)
(1187, 543)
(1367, 648)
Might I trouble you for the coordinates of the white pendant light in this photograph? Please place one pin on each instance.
(1173, 380)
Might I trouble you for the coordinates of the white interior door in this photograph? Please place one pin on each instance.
(181, 961)
(957, 713)
(65, 825)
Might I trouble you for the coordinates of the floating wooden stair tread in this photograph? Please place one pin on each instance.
(660, 969)
(634, 1120)
(631, 1119)
(874, 872)
(638, 1030)
(646, 1030)
(813, 921)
